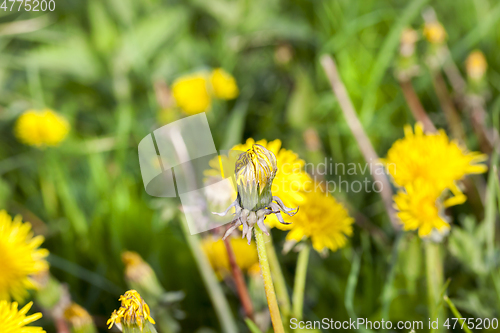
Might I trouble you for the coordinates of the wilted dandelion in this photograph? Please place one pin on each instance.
(20, 257)
(223, 84)
(79, 319)
(432, 158)
(476, 65)
(434, 32)
(41, 128)
(215, 250)
(13, 320)
(290, 182)
(324, 221)
(133, 314)
(191, 93)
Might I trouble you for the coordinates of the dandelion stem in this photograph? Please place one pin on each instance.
(279, 279)
(268, 282)
(214, 290)
(300, 282)
(239, 280)
(415, 105)
(435, 280)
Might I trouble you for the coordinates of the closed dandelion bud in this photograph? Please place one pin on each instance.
(255, 171)
(79, 319)
(434, 32)
(476, 65)
(133, 316)
(140, 276)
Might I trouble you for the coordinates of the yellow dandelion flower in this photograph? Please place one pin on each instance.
(476, 65)
(20, 257)
(223, 84)
(322, 219)
(191, 93)
(432, 158)
(78, 317)
(420, 208)
(13, 320)
(215, 250)
(434, 32)
(41, 128)
(133, 312)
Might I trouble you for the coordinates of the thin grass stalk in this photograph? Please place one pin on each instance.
(278, 278)
(272, 302)
(415, 106)
(435, 282)
(239, 281)
(219, 301)
(300, 282)
(359, 134)
(457, 314)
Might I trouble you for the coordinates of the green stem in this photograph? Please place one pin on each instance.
(435, 280)
(457, 314)
(279, 279)
(300, 282)
(214, 290)
(268, 282)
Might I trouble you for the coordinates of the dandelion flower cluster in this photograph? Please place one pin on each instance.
(41, 128)
(324, 221)
(215, 250)
(13, 320)
(133, 312)
(430, 163)
(193, 93)
(20, 257)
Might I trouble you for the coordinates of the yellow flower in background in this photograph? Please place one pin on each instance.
(191, 93)
(133, 312)
(79, 318)
(223, 84)
(322, 219)
(215, 250)
(419, 208)
(20, 257)
(41, 128)
(434, 32)
(13, 320)
(432, 158)
(476, 65)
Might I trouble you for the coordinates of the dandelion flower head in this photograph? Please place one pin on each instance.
(431, 157)
(20, 257)
(41, 128)
(133, 312)
(434, 32)
(223, 84)
(215, 250)
(476, 65)
(13, 320)
(324, 221)
(191, 93)
(420, 208)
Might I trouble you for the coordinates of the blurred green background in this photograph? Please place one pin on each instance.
(98, 62)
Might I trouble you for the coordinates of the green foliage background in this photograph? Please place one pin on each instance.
(96, 62)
